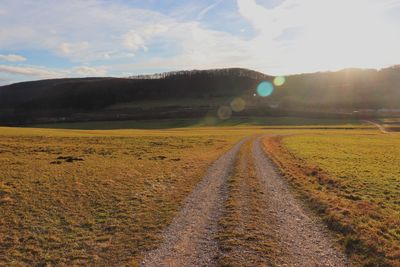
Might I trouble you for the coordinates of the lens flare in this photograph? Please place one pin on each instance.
(279, 81)
(238, 104)
(265, 89)
(224, 112)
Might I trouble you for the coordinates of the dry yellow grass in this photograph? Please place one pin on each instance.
(101, 197)
(246, 236)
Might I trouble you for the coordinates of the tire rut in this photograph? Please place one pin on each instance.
(190, 240)
(303, 240)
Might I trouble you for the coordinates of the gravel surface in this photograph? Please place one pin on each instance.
(190, 239)
(304, 241)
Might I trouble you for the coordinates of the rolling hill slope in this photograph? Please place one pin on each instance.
(197, 93)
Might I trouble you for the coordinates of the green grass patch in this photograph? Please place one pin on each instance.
(209, 121)
(354, 181)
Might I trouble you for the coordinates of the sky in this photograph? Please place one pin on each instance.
(41, 39)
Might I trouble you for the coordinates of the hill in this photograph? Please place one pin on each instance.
(198, 93)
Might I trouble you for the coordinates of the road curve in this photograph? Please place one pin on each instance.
(379, 126)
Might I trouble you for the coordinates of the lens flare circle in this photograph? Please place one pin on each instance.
(279, 81)
(224, 112)
(265, 89)
(238, 104)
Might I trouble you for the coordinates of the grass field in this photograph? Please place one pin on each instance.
(78, 197)
(281, 122)
(353, 180)
(97, 197)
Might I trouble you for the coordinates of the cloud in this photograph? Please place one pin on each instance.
(154, 29)
(72, 48)
(12, 58)
(30, 71)
(272, 21)
(40, 72)
(392, 3)
(133, 41)
(204, 12)
(287, 37)
(81, 31)
(84, 71)
(95, 30)
(327, 35)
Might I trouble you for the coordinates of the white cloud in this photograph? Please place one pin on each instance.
(39, 72)
(207, 9)
(85, 71)
(30, 71)
(330, 35)
(82, 31)
(154, 29)
(334, 34)
(133, 41)
(73, 48)
(12, 58)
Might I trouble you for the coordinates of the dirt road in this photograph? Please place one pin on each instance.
(191, 239)
(379, 126)
(303, 240)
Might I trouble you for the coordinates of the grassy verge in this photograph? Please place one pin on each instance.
(245, 237)
(95, 197)
(352, 181)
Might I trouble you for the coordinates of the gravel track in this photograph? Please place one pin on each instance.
(190, 239)
(303, 240)
(377, 125)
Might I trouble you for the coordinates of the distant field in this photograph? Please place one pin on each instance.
(177, 102)
(353, 179)
(101, 197)
(208, 121)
